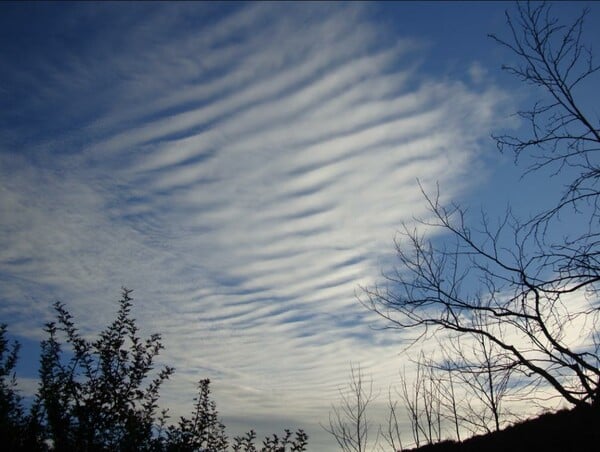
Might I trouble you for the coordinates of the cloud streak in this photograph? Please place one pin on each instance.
(243, 176)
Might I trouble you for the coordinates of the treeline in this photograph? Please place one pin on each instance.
(102, 395)
(565, 430)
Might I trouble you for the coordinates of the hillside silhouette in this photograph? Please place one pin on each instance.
(566, 430)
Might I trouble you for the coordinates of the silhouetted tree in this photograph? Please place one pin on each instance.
(349, 422)
(449, 401)
(422, 398)
(483, 373)
(97, 399)
(553, 58)
(275, 443)
(12, 418)
(203, 431)
(528, 288)
(391, 434)
(245, 443)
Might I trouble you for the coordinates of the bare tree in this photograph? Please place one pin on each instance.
(526, 288)
(483, 373)
(349, 423)
(434, 291)
(553, 57)
(430, 399)
(411, 397)
(391, 434)
(423, 402)
(432, 413)
(449, 401)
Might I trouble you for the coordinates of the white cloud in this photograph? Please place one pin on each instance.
(477, 72)
(244, 179)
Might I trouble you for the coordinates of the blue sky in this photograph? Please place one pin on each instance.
(244, 168)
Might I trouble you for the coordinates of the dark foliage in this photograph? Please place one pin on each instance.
(203, 431)
(104, 396)
(97, 400)
(11, 412)
(273, 443)
(280, 444)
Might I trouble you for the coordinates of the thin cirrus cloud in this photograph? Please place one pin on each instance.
(243, 176)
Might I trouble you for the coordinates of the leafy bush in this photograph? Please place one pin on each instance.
(102, 397)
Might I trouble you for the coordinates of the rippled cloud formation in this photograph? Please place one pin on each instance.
(242, 167)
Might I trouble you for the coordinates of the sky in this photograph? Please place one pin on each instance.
(244, 168)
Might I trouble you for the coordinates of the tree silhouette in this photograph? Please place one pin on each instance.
(422, 399)
(12, 418)
(204, 430)
(349, 422)
(528, 288)
(96, 399)
(482, 372)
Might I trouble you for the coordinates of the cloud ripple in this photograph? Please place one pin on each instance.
(244, 169)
